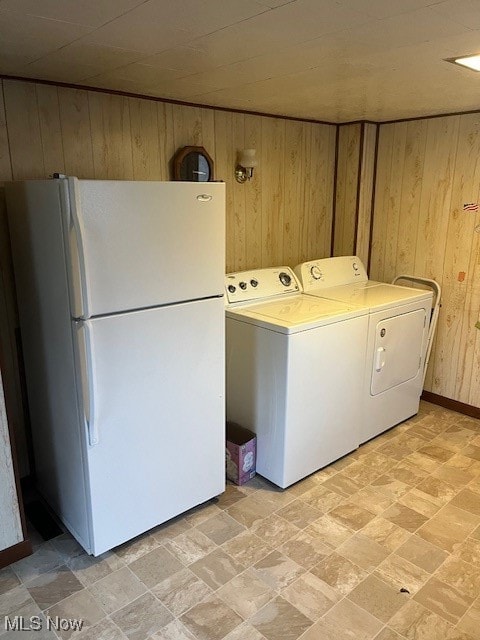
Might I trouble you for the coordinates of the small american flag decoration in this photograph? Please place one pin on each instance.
(470, 206)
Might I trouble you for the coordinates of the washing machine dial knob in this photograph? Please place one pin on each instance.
(243, 285)
(285, 279)
(232, 288)
(254, 282)
(316, 273)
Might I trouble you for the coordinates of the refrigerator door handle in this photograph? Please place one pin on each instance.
(78, 265)
(88, 382)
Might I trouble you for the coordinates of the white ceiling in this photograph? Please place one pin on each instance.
(334, 60)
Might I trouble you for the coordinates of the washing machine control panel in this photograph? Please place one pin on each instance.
(330, 272)
(257, 284)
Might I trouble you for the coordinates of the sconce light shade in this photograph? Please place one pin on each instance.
(246, 163)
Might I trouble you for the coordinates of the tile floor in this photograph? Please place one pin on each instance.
(383, 544)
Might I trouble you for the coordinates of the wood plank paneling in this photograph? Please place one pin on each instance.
(426, 171)
(366, 183)
(348, 167)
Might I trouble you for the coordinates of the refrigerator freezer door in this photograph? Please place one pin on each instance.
(135, 245)
(155, 423)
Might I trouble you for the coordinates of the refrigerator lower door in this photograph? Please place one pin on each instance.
(153, 402)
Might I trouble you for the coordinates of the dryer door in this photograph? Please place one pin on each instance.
(397, 355)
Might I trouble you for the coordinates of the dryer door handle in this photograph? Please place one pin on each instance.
(380, 359)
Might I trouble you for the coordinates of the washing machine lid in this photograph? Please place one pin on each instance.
(292, 314)
(376, 296)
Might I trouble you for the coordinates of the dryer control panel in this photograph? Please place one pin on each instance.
(245, 286)
(330, 272)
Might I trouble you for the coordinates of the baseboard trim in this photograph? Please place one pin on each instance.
(14, 553)
(454, 405)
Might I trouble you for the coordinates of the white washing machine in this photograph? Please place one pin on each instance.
(398, 329)
(294, 372)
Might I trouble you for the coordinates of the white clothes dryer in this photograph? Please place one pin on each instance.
(399, 319)
(294, 372)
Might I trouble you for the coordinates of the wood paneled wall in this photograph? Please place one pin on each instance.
(283, 215)
(355, 166)
(426, 171)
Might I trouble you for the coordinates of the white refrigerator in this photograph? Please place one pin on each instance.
(120, 294)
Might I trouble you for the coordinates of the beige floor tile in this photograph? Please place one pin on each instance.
(468, 501)
(53, 586)
(305, 549)
(415, 622)
(247, 548)
(401, 574)
(329, 531)
(79, 606)
(171, 529)
(390, 487)
(244, 632)
(155, 566)
(444, 600)
(217, 568)
(8, 580)
(67, 547)
(404, 517)
(372, 500)
(436, 453)
(469, 551)
(340, 573)
(470, 623)
(420, 502)
(44, 558)
(190, 546)
(203, 512)
(423, 462)
(440, 491)
(103, 630)
(456, 477)
(385, 533)
(312, 596)
(407, 473)
(221, 528)
(277, 570)
(352, 516)
(463, 576)
(142, 618)
(378, 598)
(299, 488)
(347, 616)
(280, 620)
(250, 510)
(181, 591)
(211, 619)
(361, 473)
(300, 513)
(456, 634)
(137, 548)
(14, 600)
(460, 461)
(471, 451)
(476, 534)
(363, 551)
(388, 634)
(173, 631)
(396, 451)
(322, 498)
(342, 484)
(274, 530)
(89, 569)
(231, 495)
(246, 594)
(422, 553)
(449, 527)
(117, 589)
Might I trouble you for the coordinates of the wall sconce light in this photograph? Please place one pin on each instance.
(245, 166)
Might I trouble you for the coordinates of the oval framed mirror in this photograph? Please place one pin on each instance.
(192, 164)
